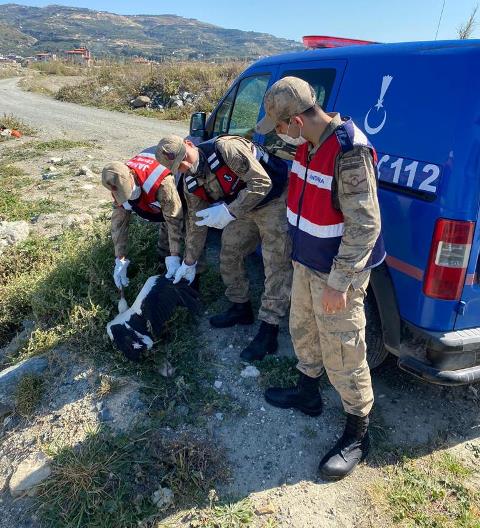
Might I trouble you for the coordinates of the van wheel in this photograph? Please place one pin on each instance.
(376, 351)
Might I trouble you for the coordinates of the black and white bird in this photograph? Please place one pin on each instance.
(134, 330)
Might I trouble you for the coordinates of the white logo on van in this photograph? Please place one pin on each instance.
(379, 109)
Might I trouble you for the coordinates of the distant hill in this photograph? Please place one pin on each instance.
(29, 30)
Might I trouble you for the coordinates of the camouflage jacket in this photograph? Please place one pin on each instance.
(171, 207)
(238, 155)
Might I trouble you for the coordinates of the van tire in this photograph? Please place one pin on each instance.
(376, 351)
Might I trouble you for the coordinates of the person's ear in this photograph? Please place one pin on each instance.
(299, 121)
(188, 143)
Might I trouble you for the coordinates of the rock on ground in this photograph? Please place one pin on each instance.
(140, 101)
(33, 470)
(10, 377)
(12, 233)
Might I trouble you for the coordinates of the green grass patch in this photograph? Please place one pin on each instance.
(430, 492)
(277, 371)
(66, 287)
(12, 206)
(108, 481)
(35, 149)
(28, 394)
(228, 515)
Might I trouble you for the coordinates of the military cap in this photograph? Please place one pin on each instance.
(117, 178)
(286, 98)
(171, 152)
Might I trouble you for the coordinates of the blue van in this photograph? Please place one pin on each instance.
(419, 104)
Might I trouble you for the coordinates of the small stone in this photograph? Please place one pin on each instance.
(265, 509)
(230, 346)
(167, 370)
(140, 102)
(55, 160)
(99, 405)
(33, 470)
(162, 498)
(262, 409)
(250, 372)
(219, 416)
(218, 384)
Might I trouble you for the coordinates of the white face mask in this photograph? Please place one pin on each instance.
(300, 140)
(136, 192)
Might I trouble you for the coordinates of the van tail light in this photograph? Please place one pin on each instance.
(449, 254)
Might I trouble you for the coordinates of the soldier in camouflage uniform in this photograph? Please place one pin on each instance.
(143, 186)
(334, 219)
(245, 189)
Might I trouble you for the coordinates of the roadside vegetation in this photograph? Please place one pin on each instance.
(112, 86)
(12, 122)
(7, 71)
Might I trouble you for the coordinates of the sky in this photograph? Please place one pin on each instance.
(379, 20)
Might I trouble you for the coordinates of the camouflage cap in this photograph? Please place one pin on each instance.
(117, 178)
(171, 152)
(286, 98)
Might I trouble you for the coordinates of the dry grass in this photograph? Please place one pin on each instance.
(108, 481)
(28, 394)
(7, 71)
(114, 86)
(56, 68)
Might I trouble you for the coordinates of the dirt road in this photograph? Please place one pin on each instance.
(123, 134)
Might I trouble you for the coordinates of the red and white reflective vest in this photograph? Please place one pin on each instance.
(149, 175)
(315, 225)
(230, 183)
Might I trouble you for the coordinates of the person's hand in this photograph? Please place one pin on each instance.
(185, 272)
(172, 264)
(120, 272)
(333, 301)
(217, 216)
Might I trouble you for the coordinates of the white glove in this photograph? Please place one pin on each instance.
(172, 264)
(185, 272)
(120, 272)
(217, 216)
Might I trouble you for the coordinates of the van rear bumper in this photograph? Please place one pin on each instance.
(451, 358)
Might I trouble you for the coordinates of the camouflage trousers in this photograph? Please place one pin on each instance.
(162, 244)
(334, 343)
(266, 226)
(163, 247)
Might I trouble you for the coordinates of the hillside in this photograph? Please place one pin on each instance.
(55, 28)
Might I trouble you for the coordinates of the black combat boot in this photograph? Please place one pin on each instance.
(238, 313)
(304, 397)
(265, 342)
(351, 449)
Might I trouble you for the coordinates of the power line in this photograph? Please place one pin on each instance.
(440, 19)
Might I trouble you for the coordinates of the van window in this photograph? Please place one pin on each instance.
(247, 105)
(322, 80)
(223, 114)
(238, 113)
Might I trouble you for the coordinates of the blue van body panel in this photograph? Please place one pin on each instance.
(419, 104)
(434, 87)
